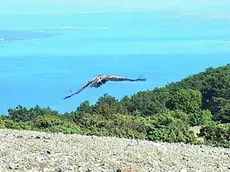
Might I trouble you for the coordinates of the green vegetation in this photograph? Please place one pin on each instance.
(165, 114)
(217, 135)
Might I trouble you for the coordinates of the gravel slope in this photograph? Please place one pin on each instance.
(28, 151)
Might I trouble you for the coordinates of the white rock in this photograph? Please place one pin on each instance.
(183, 170)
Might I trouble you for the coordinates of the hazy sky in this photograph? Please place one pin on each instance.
(210, 7)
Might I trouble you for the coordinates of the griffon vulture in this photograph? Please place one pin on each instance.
(102, 79)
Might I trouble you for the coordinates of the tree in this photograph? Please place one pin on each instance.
(125, 105)
(85, 107)
(46, 121)
(149, 102)
(203, 117)
(214, 82)
(170, 127)
(18, 114)
(187, 100)
(23, 114)
(216, 135)
(107, 105)
(221, 108)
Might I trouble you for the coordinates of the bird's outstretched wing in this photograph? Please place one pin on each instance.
(82, 88)
(119, 78)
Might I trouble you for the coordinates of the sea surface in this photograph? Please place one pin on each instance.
(43, 56)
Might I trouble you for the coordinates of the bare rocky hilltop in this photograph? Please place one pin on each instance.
(29, 151)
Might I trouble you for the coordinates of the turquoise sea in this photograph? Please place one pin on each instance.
(43, 56)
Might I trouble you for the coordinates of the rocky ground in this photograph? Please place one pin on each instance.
(27, 151)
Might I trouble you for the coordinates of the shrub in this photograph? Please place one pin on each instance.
(111, 125)
(187, 100)
(216, 135)
(18, 125)
(146, 103)
(22, 114)
(168, 127)
(46, 121)
(200, 118)
(67, 128)
(2, 123)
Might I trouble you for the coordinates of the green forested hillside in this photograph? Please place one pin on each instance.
(214, 84)
(166, 113)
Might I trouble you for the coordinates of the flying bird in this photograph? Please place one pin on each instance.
(102, 79)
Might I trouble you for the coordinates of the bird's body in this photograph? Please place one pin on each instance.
(102, 79)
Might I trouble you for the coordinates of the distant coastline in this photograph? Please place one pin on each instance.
(15, 35)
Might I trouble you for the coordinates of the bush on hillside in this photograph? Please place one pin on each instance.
(170, 127)
(203, 117)
(221, 109)
(147, 103)
(22, 114)
(10, 124)
(46, 121)
(2, 123)
(114, 125)
(213, 84)
(187, 100)
(216, 135)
